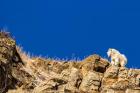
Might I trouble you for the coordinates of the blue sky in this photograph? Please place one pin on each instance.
(74, 28)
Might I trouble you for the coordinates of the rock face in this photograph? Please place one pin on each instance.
(20, 73)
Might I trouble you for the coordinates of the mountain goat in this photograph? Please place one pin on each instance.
(117, 58)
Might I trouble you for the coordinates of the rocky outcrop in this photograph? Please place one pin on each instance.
(20, 73)
(9, 60)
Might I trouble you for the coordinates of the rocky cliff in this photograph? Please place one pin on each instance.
(20, 73)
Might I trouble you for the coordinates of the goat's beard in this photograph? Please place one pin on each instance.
(109, 54)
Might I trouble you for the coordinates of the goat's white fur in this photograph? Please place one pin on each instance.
(116, 57)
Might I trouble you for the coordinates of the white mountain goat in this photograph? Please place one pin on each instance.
(117, 58)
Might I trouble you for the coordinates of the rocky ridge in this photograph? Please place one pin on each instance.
(20, 73)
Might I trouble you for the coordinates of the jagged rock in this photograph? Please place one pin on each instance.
(138, 80)
(112, 91)
(123, 72)
(132, 91)
(93, 63)
(112, 72)
(73, 78)
(132, 73)
(7, 56)
(120, 85)
(91, 82)
(20, 73)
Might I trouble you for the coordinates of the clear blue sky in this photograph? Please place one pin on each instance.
(74, 28)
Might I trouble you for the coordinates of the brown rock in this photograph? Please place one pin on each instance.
(91, 82)
(19, 73)
(94, 63)
(132, 91)
(112, 72)
(123, 72)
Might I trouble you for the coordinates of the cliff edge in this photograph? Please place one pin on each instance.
(20, 73)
